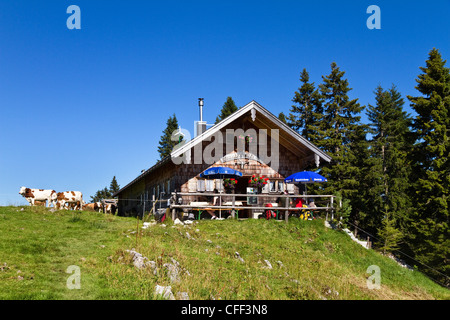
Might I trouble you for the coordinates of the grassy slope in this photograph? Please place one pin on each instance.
(317, 262)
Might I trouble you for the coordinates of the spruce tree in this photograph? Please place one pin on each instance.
(307, 110)
(165, 143)
(114, 186)
(228, 108)
(282, 117)
(106, 193)
(429, 237)
(389, 168)
(390, 235)
(101, 194)
(339, 132)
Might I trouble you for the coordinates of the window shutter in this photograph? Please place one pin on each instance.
(290, 187)
(209, 185)
(192, 185)
(218, 186)
(266, 187)
(201, 185)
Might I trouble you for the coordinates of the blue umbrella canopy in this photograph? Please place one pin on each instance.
(220, 172)
(305, 177)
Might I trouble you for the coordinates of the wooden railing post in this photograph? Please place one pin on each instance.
(233, 205)
(286, 205)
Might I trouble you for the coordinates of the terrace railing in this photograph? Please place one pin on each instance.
(178, 199)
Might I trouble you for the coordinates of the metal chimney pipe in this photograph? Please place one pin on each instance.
(200, 125)
(200, 104)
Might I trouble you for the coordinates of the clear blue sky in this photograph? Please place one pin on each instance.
(80, 106)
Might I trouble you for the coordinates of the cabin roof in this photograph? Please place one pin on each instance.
(269, 120)
(262, 117)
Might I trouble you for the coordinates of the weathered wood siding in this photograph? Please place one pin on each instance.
(170, 177)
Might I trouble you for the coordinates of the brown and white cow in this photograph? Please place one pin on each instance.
(95, 206)
(110, 206)
(74, 199)
(33, 195)
(40, 203)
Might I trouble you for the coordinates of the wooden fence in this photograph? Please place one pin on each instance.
(176, 196)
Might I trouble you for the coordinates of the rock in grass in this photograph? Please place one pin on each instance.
(141, 262)
(268, 264)
(164, 292)
(177, 221)
(172, 272)
(238, 256)
(182, 296)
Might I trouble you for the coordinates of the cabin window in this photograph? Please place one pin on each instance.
(192, 185)
(290, 188)
(168, 186)
(219, 184)
(281, 186)
(272, 186)
(265, 189)
(209, 185)
(200, 185)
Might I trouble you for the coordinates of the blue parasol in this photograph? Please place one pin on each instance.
(220, 173)
(305, 177)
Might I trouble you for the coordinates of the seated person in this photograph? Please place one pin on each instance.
(283, 202)
(312, 204)
(214, 202)
(298, 202)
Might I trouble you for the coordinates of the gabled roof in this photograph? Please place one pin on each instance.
(260, 110)
(253, 105)
(143, 174)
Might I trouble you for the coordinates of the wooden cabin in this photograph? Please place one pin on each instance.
(252, 140)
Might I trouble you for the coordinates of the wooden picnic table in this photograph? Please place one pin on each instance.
(202, 206)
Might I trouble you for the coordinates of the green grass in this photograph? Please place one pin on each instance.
(38, 246)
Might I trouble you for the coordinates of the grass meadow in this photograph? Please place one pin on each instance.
(308, 261)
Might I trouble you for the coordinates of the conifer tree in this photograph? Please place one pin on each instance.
(430, 238)
(165, 143)
(389, 234)
(389, 169)
(307, 110)
(114, 186)
(340, 132)
(106, 193)
(228, 108)
(282, 117)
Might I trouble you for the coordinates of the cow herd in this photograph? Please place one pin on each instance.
(63, 200)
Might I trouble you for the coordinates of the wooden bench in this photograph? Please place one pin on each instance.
(200, 204)
(236, 204)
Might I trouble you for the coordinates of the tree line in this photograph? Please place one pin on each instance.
(394, 170)
(106, 193)
(392, 173)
